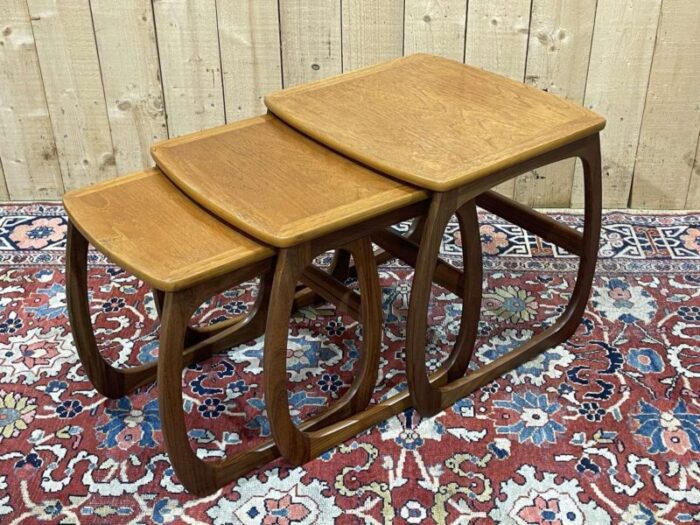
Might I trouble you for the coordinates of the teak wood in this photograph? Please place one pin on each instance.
(281, 187)
(431, 121)
(430, 399)
(144, 224)
(96, 216)
(458, 131)
(298, 446)
(151, 201)
(303, 199)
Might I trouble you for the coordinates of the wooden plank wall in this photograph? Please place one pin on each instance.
(86, 86)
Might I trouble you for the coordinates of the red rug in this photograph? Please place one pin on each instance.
(602, 429)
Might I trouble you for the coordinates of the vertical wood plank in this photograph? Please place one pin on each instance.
(73, 86)
(671, 121)
(557, 62)
(621, 54)
(436, 26)
(4, 194)
(250, 54)
(28, 163)
(311, 40)
(188, 43)
(497, 35)
(372, 32)
(692, 201)
(126, 44)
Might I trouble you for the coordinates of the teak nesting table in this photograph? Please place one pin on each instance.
(332, 167)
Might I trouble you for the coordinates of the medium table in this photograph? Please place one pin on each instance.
(457, 131)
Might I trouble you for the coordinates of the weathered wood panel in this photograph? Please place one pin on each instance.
(692, 202)
(372, 32)
(81, 98)
(497, 34)
(4, 194)
(623, 45)
(250, 54)
(311, 41)
(28, 164)
(71, 73)
(188, 43)
(671, 122)
(126, 44)
(435, 26)
(557, 61)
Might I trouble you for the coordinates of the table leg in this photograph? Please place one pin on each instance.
(298, 445)
(114, 382)
(428, 397)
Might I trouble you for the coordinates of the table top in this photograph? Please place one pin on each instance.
(146, 225)
(431, 121)
(276, 184)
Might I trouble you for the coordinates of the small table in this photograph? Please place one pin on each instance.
(283, 188)
(457, 131)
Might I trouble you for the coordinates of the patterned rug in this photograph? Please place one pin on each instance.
(602, 429)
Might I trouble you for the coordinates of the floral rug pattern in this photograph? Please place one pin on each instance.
(602, 429)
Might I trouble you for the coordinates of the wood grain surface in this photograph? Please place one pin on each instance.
(311, 40)
(372, 32)
(145, 225)
(190, 63)
(70, 70)
(432, 121)
(28, 154)
(561, 32)
(251, 65)
(276, 184)
(436, 27)
(126, 43)
(618, 76)
(671, 121)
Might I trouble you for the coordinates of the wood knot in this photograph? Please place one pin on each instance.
(108, 160)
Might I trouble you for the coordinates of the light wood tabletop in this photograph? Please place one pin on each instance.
(146, 225)
(432, 121)
(276, 184)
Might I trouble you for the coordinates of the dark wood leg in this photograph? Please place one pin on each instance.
(427, 397)
(295, 444)
(198, 476)
(340, 267)
(204, 477)
(115, 382)
(471, 292)
(109, 381)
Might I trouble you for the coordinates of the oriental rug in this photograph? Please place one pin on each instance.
(602, 429)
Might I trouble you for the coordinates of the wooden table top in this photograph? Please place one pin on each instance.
(276, 184)
(431, 121)
(146, 225)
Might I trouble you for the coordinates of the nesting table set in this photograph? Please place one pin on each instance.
(332, 166)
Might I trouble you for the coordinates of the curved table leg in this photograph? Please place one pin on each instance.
(196, 334)
(472, 291)
(297, 444)
(115, 382)
(198, 476)
(428, 397)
